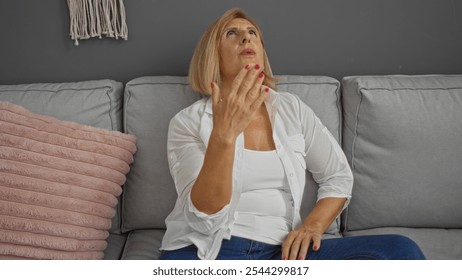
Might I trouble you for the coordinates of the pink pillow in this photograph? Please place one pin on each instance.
(59, 183)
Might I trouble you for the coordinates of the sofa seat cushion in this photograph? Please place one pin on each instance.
(436, 244)
(59, 183)
(402, 136)
(115, 246)
(143, 244)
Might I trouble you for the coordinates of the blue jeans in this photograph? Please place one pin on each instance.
(374, 247)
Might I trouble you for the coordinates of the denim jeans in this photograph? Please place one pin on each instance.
(374, 247)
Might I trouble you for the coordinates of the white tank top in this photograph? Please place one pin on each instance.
(265, 208)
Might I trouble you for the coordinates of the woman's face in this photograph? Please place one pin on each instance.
(240, 45)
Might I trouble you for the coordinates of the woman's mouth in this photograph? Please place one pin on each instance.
(247, 52)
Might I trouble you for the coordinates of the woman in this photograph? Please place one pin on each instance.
(238, 160)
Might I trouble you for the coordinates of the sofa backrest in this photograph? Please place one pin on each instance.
(149, 193)
(150, 102)
(95, 103)
(402, 136)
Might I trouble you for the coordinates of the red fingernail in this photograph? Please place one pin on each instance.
(315, 248)
(284, 258)
(247, 67)
(300, 258)
(261, 75)
(266, 89)
(257, 66)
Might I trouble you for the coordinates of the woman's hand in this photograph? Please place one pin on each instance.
(233, 110)
(297, 243)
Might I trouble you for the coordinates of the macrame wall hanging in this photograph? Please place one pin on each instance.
(95, 18)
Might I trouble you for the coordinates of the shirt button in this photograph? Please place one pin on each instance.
(291, 174)
(278, 147)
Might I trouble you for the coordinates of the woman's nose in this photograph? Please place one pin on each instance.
(245, 39)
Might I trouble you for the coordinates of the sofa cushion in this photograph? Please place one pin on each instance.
(402, 136)
(151, 102)
(59, 183)
(95, 103)
(322, 94)
(143, 244)
(435, 243)
(115, 246)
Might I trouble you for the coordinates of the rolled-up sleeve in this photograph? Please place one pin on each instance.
(186, 153)
(325, 158)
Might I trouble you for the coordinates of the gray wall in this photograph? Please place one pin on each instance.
(310, 37)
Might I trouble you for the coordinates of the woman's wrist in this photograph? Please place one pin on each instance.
(224, 139)
(313, 226)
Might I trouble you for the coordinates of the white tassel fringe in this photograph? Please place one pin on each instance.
(94, 18)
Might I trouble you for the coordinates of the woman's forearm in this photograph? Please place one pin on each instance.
(324, 213)
(213, 187)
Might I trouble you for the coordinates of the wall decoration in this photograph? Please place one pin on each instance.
(95, 18)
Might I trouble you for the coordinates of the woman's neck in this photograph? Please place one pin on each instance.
(226, 85)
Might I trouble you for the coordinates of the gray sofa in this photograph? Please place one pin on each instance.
(401, 134)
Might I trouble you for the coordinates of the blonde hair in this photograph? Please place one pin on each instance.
(205, 62)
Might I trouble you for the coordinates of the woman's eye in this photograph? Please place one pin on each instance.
(253, 32)
(230, 32)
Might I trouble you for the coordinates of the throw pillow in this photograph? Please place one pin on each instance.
(59, 183)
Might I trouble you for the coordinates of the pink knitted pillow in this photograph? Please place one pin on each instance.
(59, 183)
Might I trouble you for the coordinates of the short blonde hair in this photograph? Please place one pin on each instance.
(205, 62)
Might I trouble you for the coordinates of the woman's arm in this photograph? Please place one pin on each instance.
(232, 113)
(329, 167)
(213, 187)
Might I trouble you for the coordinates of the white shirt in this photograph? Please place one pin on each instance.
(302, 143)
(265, 208)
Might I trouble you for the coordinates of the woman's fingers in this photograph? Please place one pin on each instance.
(250, 81)
(246, 80)
(256, 89)
(262, 94)
(314, 239)
(299, 247)
(303, 250)
(242, 76)
(295, 248)
(216, 94)
(286, 245)
(297, 244)
(317, 242)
